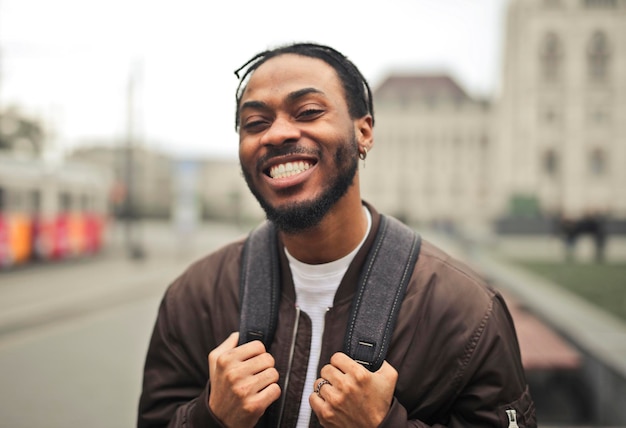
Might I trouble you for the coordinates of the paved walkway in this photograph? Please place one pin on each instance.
(31, 296)
(591, 328)
(38, 294)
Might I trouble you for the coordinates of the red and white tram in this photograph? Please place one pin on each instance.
(50, 211)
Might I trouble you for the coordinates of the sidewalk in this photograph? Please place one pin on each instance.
(588, 326)
(598, 337)
(33, 295)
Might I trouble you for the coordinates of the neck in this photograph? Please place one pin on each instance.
(336, 236)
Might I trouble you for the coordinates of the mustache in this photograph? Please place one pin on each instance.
(274, 152)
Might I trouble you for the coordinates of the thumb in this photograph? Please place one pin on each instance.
(387, 371)
(228, 344)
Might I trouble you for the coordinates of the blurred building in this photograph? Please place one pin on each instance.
(432, 152)
(561, 125)
(225, 194)
(156, 179)
(151, 176)
(552, 142)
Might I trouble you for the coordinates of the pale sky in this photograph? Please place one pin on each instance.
(69, 61)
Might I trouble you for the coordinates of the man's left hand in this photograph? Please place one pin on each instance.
(354, 396)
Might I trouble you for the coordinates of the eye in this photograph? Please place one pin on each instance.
(310, 112)
(255, 124)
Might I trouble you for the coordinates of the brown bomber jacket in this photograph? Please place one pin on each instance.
(454, 346)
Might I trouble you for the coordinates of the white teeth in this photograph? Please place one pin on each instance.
(288, 169)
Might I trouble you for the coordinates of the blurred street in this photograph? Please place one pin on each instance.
(73, 335)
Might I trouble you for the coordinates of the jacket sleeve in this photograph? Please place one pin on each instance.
(175, 385)
(493, 390)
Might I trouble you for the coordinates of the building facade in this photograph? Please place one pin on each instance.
(551, 143)
(143, 174)
(161, 184)
(561, 116)
(432, 151)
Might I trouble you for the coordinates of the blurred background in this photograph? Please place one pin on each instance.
(500, 135)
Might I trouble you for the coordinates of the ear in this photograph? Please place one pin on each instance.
(364, 130)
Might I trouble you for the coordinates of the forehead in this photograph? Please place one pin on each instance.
(287, 73)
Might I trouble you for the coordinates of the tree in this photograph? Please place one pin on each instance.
(20, 133)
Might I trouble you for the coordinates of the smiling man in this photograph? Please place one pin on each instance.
(305, 117)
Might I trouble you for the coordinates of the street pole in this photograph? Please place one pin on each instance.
(133, 243)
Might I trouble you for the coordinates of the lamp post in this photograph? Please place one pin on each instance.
(134, 246)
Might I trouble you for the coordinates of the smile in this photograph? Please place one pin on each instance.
(289, 169)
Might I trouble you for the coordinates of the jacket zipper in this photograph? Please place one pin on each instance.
(291, 352)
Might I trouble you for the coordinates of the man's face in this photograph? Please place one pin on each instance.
(297, 143)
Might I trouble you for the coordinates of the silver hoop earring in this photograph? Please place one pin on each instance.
(363, 154)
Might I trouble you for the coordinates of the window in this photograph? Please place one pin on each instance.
(598, 56)
(34, 201)
(548, 115)
(65, 202)
(597, 4)
(597, 163)
(551, 3)
(550, 163)
(599, 115)
(551, 56)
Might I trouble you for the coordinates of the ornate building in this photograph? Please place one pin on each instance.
(432, 150)
(552, 142)
(561, 117)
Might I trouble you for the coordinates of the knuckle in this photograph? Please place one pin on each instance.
(327, 413)
(274, 374)
(274, 391)
(241, 390)
(258, 346)
(268, 360)
(361, 377)
(338, 400)
(252, 407)
(393, 375)
(222, 359)
(231, 376)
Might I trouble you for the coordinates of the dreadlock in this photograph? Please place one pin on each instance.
(357, 90)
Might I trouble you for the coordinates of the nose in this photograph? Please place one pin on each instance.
(281, 131)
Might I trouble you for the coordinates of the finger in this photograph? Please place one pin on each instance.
(250, 350)
(316, 403)
(388, 372)
(269, 394)
(251, 385)
(321, 383)
(265, 378)
(225, 346)
(315, 400)
(321, 390)
(332, 374)
(229, 343)
(344, 363)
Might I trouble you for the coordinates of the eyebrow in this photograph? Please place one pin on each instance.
(293, 96)
(302, 92)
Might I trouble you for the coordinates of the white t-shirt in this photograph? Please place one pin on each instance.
(316, 286)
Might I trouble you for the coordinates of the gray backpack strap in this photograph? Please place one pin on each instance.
(259, 291)
(381, 289)
(376, 304)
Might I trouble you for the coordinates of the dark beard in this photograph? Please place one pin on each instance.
(301, 216)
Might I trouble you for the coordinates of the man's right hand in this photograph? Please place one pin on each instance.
(243, 382)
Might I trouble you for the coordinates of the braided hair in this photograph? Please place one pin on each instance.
(357, 91)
